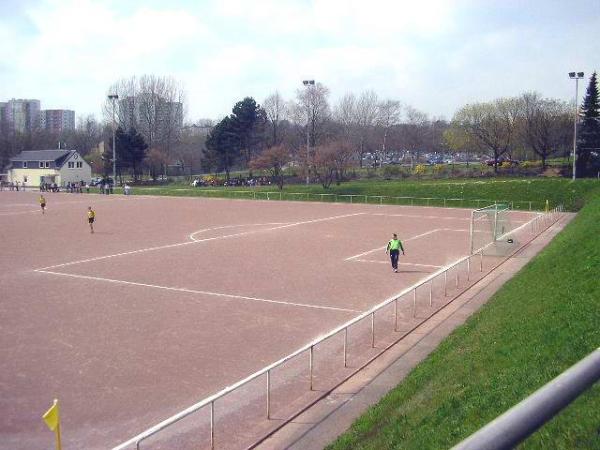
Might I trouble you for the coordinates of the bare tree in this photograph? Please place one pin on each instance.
(367, 112)
(492, 124)
(332, 160)
(276, 110)
(415, 132)
(389, 116)
(545, 124)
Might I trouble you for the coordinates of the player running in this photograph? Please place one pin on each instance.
(91, 216)
(43, 203)
(394, 246)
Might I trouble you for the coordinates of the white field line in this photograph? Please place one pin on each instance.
(180, 244)
(400, 264)
(194, 291)
(233, 226)
(418, 216)
(405, 240)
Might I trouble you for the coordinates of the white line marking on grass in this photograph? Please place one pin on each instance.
(180, 244)
(194, 291)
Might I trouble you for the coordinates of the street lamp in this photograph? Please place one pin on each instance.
(308, 83)
(575, 76)
(113, 98)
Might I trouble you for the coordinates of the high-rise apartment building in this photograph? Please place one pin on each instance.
(21, 114)
(57, 120)
(151, 115)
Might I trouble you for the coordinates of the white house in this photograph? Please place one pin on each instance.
(48, 166)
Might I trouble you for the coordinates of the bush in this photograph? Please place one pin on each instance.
(391, 171)
(419, 170)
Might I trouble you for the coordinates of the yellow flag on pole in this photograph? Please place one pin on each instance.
(52, 417)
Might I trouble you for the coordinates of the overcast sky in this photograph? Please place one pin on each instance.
(432, 54)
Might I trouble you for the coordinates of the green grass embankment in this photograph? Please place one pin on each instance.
(521, 191)
(541, 322)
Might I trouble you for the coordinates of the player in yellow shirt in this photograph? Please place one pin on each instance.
(43, 203)
(91, 216)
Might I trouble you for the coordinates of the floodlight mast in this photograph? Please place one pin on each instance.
(575, 76)
(308, 83)
(113, 98)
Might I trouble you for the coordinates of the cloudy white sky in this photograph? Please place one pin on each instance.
(435, 55)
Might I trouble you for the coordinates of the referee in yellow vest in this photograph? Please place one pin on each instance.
(394, 247)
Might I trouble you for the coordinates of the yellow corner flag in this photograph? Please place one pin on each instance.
(52, 419)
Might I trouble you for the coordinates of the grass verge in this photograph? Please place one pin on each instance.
(521, 191)
(540, 323)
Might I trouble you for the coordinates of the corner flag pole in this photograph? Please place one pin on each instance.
(52, 420)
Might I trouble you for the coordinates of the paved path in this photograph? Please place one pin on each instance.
(322, 423)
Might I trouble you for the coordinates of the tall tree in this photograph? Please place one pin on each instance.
(544, 124)
(389, 116)
(588, 142)
(248, 120)
(222, 146)
(275, 109)
(491, 124)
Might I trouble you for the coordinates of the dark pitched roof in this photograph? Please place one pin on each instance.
(41, 155)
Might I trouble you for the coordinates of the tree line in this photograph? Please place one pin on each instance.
(319, 139)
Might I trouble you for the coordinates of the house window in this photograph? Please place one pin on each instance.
(41, 164)
(24, 179)
(71, 165)
(79, 164)
(47, 164)
(24, 164)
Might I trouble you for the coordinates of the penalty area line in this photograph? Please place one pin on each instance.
(195, 291)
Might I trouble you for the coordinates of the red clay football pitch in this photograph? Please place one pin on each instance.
(173, 299)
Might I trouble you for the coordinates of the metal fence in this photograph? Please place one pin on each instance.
(431, 295)
(523, 205)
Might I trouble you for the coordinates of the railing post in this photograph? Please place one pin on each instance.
(444, 202)
(268, 394)
(414, 302)
(366, 199)
(430, 292)
(268, 196)
(446, 283)
(280, 194)
(310, 366)
(381, 200)
(469, 268)
(346, 347)
(373, 329)
(212, 425)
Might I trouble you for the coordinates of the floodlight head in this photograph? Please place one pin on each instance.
(571, 74)
(307, 82)
(580, 74)
(113, 96)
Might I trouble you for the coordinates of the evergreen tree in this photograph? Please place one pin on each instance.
(249, 121)
(131, 150)
(222, 144)
(588, 142)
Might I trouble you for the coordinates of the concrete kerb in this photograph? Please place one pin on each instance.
(329, 417)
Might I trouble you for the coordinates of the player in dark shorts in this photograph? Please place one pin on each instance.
(91, 216)
(43, 203)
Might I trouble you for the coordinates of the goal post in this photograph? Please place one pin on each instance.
(489, 225)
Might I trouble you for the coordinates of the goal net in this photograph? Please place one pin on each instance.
(490, 230)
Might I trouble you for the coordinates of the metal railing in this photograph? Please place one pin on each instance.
(525, 418)
(523, 205)
(450, 277)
